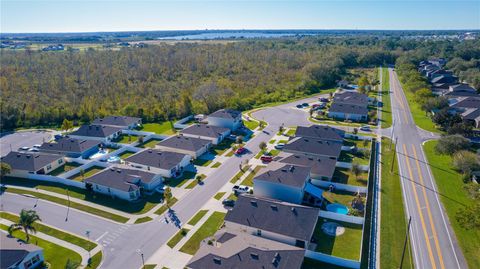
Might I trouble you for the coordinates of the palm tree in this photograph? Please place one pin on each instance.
(25, 221)
(356, 170)
(167, 195)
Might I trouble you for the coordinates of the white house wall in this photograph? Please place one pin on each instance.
(278, 191)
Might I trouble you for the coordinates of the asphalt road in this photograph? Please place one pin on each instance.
(433, 242)
(13, 141)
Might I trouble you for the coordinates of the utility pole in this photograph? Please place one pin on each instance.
(391, 136)
(394, 153)
(406, 240)
(68, 207)
(139, 251)
(87, 233)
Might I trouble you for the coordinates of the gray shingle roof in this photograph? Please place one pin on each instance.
(13, 250)
(348, 109)
(286, 174)
(184, 143)
(469, 102)
(29, 161)
(444, 79)
(226, 114)
(314, 146)
(287, 219)
(320, 132)
(96, 130)
(321, 166)
(120, 121)
(157, 158)
(120, 178)
(205, 130)
(350, 97)
(67, 144)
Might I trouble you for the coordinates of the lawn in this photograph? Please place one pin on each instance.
(177, 237)
(346, 246)
(393, 220)
(219, 195)
(165, 207)
(55, 255)
(64, 168)
(87, 173)
(216, 165)
(126, 154)
(345, 176)
(291, 132)
(251, 124)
(213, 223)
(150, 143)
(195, 182)
(143, 219)
(202, 162)
(165, 128)
(248, 181)
(351, 157)
(358, 143)
(180, 181)
(271, 141)
(197, 217)
(341, 197)
(126, 139)
(223, 146)
(83, 243)
(387, 103)
(239, 174)
(419, 116)
(96, 260)
(450, 186)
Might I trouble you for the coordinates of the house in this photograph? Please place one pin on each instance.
(72, 147)
(103, 133)
(314, 147)
(123, 183)
(322, 168)
(439, 72)
(192, 146)
(340, 111)
(232, 249)
(24, 163)
(285, 182)
(227, 118)
(165, 163)
(324, 132)
(469, 109)
(444, 79)
(262, 217)
(16, 254)
(213, 133)
(351, 98)
(123, 122)
(342, 84)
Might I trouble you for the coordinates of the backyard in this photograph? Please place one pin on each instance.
(341, 197)
(150, 143)
(65, 168)
(361, 156)
(165, 128)
(345, 176)
(86, 173)
(126, 139)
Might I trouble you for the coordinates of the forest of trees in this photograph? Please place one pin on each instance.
(167, 81)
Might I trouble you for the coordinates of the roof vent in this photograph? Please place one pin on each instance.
(217, 260)
(292, 168)
(274, 207)
(254, 255)
(294, 211)
(253, 202)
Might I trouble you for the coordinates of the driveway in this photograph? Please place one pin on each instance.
(14, 140)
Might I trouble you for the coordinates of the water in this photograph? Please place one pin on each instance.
(338, 208)
(229, 35)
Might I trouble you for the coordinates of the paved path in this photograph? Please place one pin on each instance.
(433, 241)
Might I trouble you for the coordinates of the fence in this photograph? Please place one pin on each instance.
(84, 167)
(180, 124)
(358, 137)
(332, 259)
(56, 179)
(339, 186)
(349, 166)
(341, 217)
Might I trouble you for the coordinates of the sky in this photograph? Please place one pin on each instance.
(45, 16)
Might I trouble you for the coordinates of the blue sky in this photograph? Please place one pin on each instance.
(19, 16)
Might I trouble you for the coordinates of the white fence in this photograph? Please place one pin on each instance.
(84, 167)
(180, 124)
(349, 166)
(332, 259)
(358, 137)
(150, 137)
(339, 186)
(341, 217)
(56, 179)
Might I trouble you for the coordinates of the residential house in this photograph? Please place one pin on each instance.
(342, 84)
(439, 72)
(192, 146)
(285, 182)
(351, 98)
(123, 183)
(72, 147)
(16, 254)
(24, 163)
(340, 111)
(227, 118)
(213, 133)
(102, 133)
(322, 168)
(323, 132)
(123, 122)
(314, 147)
(263, 216)
(444, 79)
(168, 164)
(232, 249)
(469, 110)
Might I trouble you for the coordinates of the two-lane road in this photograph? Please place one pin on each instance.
(432, 239)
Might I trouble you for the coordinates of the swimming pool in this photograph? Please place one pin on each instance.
(338, 208)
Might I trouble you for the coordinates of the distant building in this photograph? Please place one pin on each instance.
(103, 133)
(165, 163)
(192, 146)
(213, 133)
(53, 47)
(351, 112)
(469, 110)
(123, 122)
(72, 147)
(24, 163)
(228, 118)
(16, 254)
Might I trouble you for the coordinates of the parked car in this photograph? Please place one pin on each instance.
(161, 189)
(232, 137)
(266, 158)
(299, 106)
(365, 128)
(280, 145)
(305, 104)
(228, 202)
(315, 105)
(57, 137)
(240, 151)
(34, 150)
(24, 148)
(37, 146)
(325, 100)
(240, 189)
(380, 104)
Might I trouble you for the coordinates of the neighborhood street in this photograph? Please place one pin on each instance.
(433, 241)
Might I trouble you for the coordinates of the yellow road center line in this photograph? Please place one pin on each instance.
(437, 245)
(429, 247)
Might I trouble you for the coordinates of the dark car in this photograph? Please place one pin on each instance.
(58, 136)
(305, 104)
(266, 158)
(299, 106)
(228, 202)
(240, 151)
(324, 99)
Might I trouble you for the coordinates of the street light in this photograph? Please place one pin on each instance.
(87, 233)
(139, 251)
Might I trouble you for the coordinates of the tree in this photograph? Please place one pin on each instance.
(422, 95)
(281, 129)
(239, 139)
(469, 216)
(262, 145)
(451, 144)
(140, 139)
(356, 170)
(167, 195)
(466, 161)
(71, 264)
(67, 125)
(26, 221)
(5, 169)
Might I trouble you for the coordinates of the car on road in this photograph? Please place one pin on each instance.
(280, 146)
(228, 202)
(23, 148)
(324, 100)
(305, 104)
(34, 150)
(299, 106)
(365, 128)
(37, 146)
(240, 151)
(240, 189)
(266, 158)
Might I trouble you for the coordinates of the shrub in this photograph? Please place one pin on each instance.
(466, 161)
(451, 144)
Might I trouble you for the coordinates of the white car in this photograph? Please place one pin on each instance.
(240, 189)
(37, 146)
(280, 145)
(34, 150)
(365, 128)
(161, 189)
(24, 148)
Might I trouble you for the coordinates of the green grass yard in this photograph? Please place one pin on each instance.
(248, 181)
(126, 154)
(239, 174)
(180, 181)
(164, 128)
(149, 144)
(251, 124)
(342, 197)
(126, 139)
(87, 173)
(387, 103)
(143, 220)
(419, 117)
(223, 146)
(165, 207)
(219, 195)
(197, 217)
(351, 157)
(450, 185)
(194, 182)
(213, 223)
(64, 168)
(345, 176)
(177, 237)
(202, 162)
(216, 165)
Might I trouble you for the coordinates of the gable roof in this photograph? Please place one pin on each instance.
(13, 250)
(348, 109)
(286, 174)
(29, 161)
(462, 88)
(321, 132)
(226, 114)
(184, 143)
(94, 130)
(120, 178)
(265, 214)
(157, 158)
(242, 250)
(67, 144)
(314, 146)
(119, 121)
(468, 102)
(444, 79)
(205, 130)
(351, 97)
(320, 166)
